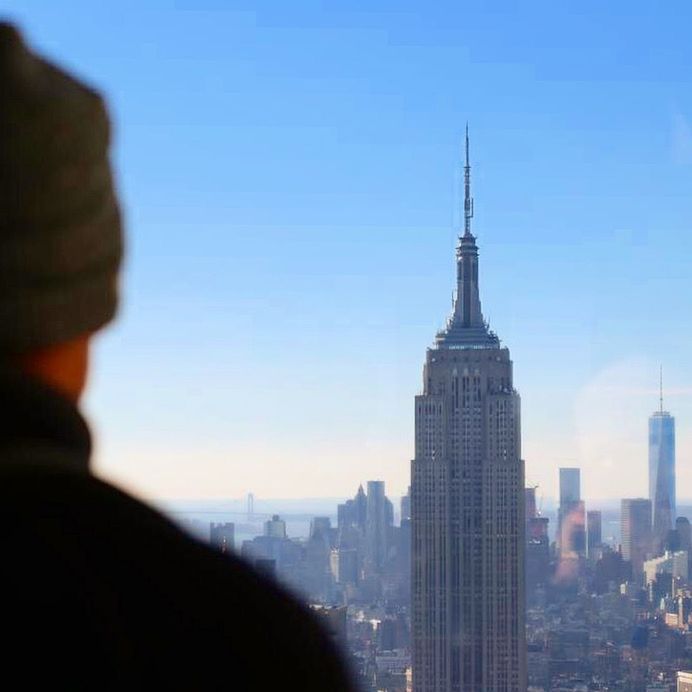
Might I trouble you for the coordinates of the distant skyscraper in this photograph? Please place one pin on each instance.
(275, 527)
(352, 512)
(661, 474)
(375, 527)
(674, 564)
(570, 485)
(344, 565)
(406, 505)
(593, 533)
(635, 526)
(388, 512)
(571, 536)
(467, 503)
(321, 527)
(537, 553)
(222, 536)
(530, 502)
(250, 507)
(573, 530)
(360, 507)
(682, 526)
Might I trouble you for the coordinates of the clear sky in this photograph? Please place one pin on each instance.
(290, 174)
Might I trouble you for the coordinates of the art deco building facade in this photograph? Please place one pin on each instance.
(467, 503)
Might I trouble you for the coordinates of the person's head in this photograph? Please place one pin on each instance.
(60, 227)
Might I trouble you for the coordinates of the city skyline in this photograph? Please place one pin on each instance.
(403, 499)
(294, 218)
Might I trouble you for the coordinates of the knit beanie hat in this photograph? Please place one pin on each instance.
(60, 228)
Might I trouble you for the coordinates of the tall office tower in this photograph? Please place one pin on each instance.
(594, 538)
(344, 515)
(375, 527)
(406, 505)
(682, 526)
(361, 507)
(635, 529)
(570, 485)
(537, 553)
(572, 519)
(404, 555)
(571, 529)
(222, 536)
(344, 565)
(388, 512)
(467, 502)
(661, 474)
(321, 527)
(352, 512)
(530, 502)
(275, 527)
(684, 531)
(316, 576)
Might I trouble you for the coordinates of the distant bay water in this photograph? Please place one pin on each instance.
(195, 516)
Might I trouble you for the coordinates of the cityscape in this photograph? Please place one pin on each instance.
(285, 408)
(467, 583)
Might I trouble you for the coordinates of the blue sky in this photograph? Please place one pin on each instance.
(290, 175)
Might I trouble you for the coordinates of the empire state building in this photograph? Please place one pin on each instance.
(467, 512)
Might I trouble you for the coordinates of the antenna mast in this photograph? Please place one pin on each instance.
(468, 200)
(660, 382)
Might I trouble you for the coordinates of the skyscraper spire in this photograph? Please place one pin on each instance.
(466, 326)
(468, 200)
(660, 382)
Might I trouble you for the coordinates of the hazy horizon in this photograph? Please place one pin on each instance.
(308, 501)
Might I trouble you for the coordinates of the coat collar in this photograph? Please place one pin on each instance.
(39, 426)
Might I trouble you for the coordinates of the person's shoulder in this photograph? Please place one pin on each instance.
(124, 571)
(141, 526)
(223, 602)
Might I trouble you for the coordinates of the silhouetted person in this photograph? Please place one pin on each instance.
(97, 591)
